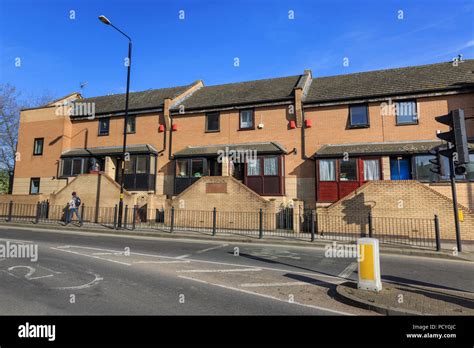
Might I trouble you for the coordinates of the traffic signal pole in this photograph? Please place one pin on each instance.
(457, 150)
(452, 177)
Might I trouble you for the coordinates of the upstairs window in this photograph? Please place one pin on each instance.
(246, 119)
(38, 147)
(131, 120)
(407, 112)
(358, 116)
(212, 122)
(104, 125)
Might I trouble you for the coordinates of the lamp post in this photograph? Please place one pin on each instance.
(104, 20)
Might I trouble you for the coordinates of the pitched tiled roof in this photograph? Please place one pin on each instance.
(423, 78)
(259, 91)
(211, 150)
(150, 99)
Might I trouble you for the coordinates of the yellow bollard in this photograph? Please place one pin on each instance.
(368, 264)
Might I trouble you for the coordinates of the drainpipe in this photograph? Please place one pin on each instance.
(303, 140)
(170, 156)
(164, 144)
(304, 157)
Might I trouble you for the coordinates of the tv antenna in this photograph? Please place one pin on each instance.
(82, 85)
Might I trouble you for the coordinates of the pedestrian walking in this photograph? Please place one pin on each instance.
(73, 208)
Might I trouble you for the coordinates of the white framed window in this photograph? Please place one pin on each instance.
(246, 119)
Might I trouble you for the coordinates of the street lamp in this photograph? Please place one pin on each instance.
(106, 21)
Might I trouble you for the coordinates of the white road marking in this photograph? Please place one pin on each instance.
(93, 256)
(17, 240)
(314, 273)
(182, 256)
(115, 254)
(346, 272)
(220, 270)
(266, 296)
(97, 279)
(31, 271)
(161, 262)
(212, 248)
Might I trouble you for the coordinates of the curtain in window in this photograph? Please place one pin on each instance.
(253, 167)
(270, 166)
(372, 169)
(327, 170)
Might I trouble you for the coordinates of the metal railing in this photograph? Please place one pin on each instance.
(305, 224)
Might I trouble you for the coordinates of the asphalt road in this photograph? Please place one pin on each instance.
(100, 274)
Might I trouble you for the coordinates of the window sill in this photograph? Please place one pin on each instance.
(38, 154)
(102, 135)
(246, 129)
(407, 124)
(359, 126)
(212, 131)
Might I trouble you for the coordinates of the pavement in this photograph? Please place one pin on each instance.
(448, 251)
(407, 299)
(79, 272)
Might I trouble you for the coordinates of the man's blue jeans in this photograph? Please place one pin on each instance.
(70, 215)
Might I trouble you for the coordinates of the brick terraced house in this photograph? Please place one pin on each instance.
(312, 140)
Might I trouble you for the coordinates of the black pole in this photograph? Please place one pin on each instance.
(10, 211)
(134, 216)
(312, 225)
(172, 220)
(455, 203)
(260, 224)
(38, 207)
(115, 217)
(438, 239)
(122, 170)
(369, 216)
(125, 217)
(214, 220)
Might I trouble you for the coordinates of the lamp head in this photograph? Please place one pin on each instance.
(104, 20)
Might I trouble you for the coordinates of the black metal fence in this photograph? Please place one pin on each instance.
(287, 223)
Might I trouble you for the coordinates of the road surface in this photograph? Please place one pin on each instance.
(96, 274)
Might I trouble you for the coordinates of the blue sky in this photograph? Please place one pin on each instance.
(58, 53)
